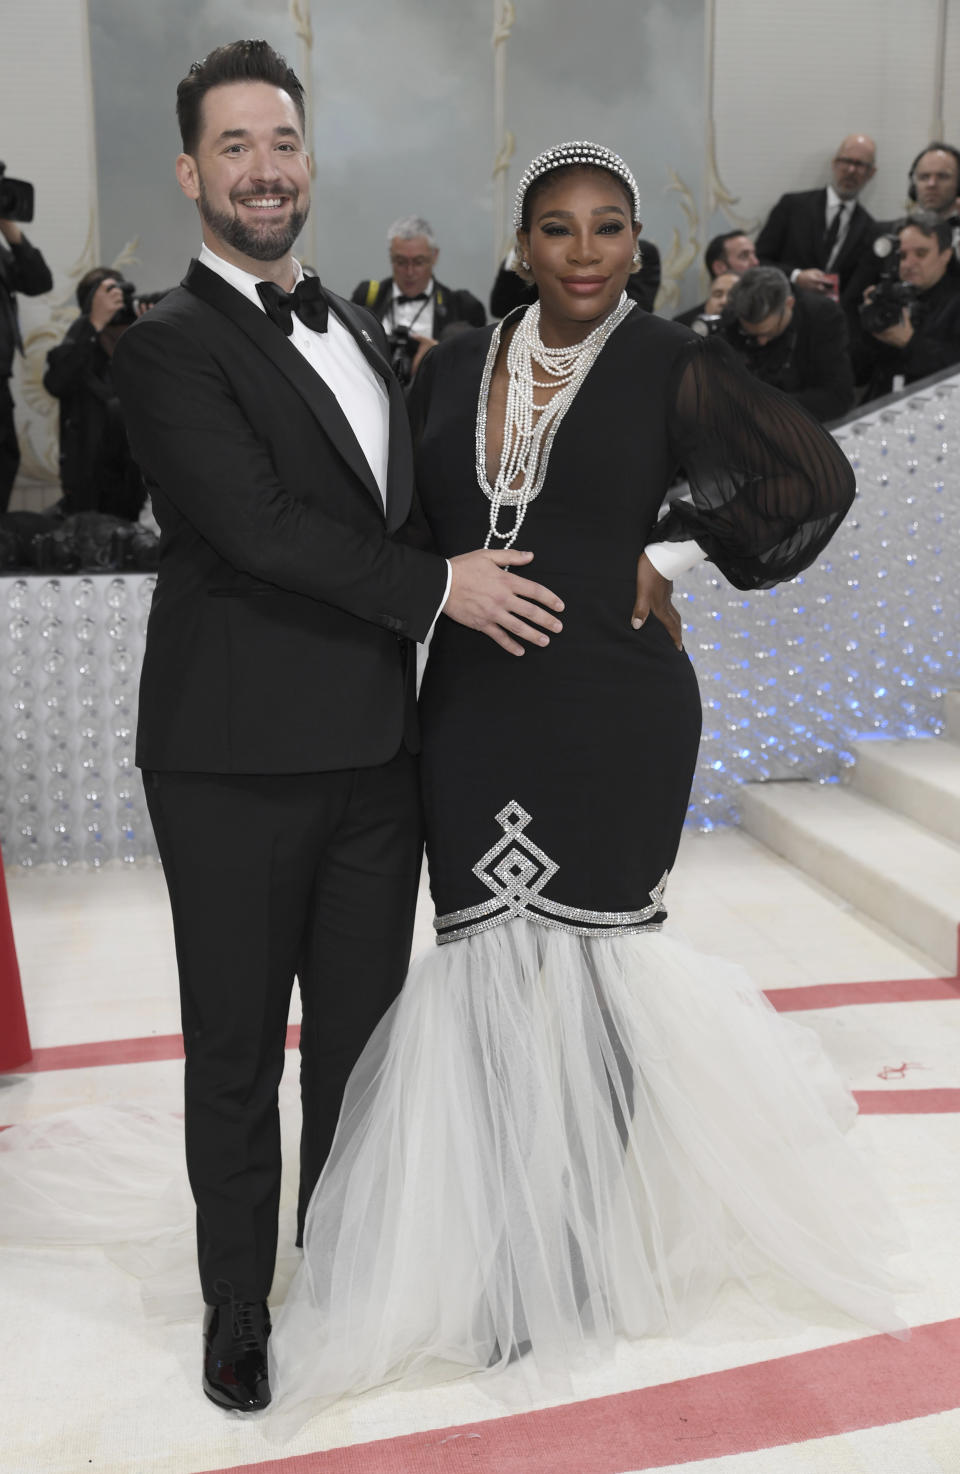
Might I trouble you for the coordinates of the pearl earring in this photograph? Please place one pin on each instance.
(524, 263)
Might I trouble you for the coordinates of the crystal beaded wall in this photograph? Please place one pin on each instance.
(70, 652)
(863, 645)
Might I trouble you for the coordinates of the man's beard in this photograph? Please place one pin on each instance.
(259, 244)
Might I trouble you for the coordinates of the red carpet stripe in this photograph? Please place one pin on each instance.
(815, 1394)
(908, 1103)
(118, 1052)
(170, 1046)
(840, 995)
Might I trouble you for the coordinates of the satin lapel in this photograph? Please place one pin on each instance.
(400, 464)
(320, 399)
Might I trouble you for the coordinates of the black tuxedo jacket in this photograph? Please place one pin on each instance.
(449, 306)
(793, 237)
(278, 636)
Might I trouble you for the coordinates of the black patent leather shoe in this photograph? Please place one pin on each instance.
(235, 1355)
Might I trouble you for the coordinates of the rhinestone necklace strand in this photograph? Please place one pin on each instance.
(529, 429)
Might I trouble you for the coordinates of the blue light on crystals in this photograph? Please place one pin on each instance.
(863, 645)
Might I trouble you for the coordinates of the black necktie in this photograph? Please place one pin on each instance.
(308, 300)
(830, 236)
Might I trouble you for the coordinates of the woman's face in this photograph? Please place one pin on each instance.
(580, 247)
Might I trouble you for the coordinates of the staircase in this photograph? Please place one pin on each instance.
(889, 843)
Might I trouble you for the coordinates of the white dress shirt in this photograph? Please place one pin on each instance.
(336, 357)
(404, 313)
(835, 204)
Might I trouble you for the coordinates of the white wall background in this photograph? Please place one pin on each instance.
(404, 100)
(46, 136)
(792, 80)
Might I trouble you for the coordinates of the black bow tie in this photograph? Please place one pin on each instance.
(308, 300)
(420, 297)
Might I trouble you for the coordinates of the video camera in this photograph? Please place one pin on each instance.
(16, 198)
(891, 295)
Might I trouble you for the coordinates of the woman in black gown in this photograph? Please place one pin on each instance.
(570, 1125)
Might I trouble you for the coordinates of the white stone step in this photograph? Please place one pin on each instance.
(879, 861)
(918, 777)
(951, 707)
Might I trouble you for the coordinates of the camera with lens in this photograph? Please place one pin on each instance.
(128, 312)
(403, 349)
(890, 295)
(16, 198)
(706, 324)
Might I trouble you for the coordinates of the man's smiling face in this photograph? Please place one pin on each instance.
(251, 174)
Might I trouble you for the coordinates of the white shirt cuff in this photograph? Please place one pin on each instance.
(672, 559)
(446, 595)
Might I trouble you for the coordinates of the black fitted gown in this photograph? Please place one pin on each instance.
(571, 1125)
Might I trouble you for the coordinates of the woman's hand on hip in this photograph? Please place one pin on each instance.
(653, 597)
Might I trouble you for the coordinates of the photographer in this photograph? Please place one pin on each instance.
(796, 341)
(22, 269)
(910, 320)
(416, 310)
(97, 471)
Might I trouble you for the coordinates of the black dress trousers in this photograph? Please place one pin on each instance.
(270, 877)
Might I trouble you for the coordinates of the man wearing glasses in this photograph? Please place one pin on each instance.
(817, 237)
(416, 310)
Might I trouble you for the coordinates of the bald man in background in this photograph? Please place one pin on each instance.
(818, 234)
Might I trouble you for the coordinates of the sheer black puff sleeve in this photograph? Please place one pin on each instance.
(769, 487)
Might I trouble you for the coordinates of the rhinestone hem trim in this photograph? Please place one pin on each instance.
(517, 880)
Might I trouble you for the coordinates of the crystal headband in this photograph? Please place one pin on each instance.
(593, 155)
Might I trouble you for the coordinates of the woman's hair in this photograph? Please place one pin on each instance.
(565, 171)
(239, 61)
(562, 159)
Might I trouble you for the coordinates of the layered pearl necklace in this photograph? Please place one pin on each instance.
(529, 429)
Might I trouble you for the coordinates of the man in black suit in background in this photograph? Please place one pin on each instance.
(277, 712)
(820, 233)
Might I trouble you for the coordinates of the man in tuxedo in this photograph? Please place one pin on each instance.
(820, 233)
(22, 269)
(412, 300)
(277, 713)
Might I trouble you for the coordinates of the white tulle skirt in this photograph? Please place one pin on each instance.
(550, 1141)
(553, 1140)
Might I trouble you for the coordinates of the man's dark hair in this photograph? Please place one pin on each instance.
(760, 292)
(717, 249)
(929, 224)
(239, 61)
